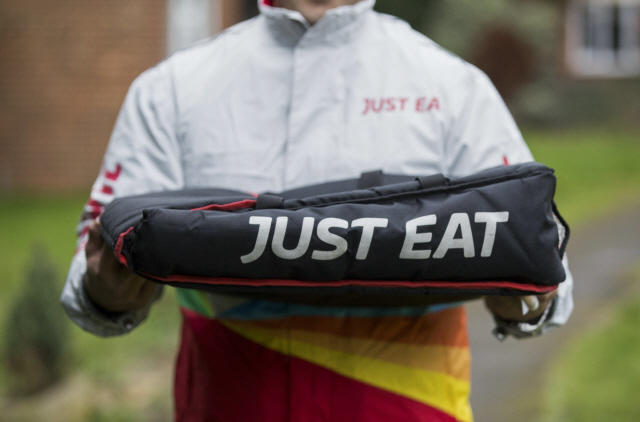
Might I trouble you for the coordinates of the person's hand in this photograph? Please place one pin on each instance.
(509, 308)
(108, 283)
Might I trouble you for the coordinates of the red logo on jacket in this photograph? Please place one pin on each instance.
(400, 104)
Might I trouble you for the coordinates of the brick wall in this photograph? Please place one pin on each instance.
(65, 67)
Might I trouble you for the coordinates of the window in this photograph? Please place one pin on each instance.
(603, 38)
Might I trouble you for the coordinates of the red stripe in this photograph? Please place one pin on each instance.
(505, 160)
(335, 398)
(454, 285)
(118, 249)
(267, 2)
(107, 189)
(247, 203)
(93, 208)
(113, 175)
(94, 203)
(222, 376)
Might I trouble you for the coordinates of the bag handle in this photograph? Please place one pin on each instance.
(370, 179)
(367, 180)
(267, 201)
(435, 180)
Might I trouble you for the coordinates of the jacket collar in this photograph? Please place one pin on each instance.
(333, 26)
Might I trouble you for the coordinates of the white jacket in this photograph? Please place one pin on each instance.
(273, 103)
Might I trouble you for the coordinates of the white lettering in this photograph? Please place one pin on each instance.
(368, 226)
(331, 238)
(261, 241)
(491, 219)
(412, 237)
(448, 241)
(303, 244)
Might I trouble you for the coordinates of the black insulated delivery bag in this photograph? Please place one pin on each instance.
(494, 232)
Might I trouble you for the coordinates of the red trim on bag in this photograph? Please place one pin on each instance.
(454, 285)
(247, 203)
(118, 249)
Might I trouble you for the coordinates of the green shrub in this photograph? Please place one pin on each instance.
(36, 331)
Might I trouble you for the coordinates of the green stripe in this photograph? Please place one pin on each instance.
(195, 300)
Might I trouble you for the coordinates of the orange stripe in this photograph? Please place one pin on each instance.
(453, 361)
(444, 328)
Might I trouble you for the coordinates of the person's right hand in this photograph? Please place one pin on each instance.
(108, 283)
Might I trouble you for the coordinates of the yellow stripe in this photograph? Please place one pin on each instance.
(435, 389)
(453, 361)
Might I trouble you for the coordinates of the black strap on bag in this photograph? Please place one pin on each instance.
(370, 179)
(436, 180)
(268, 201)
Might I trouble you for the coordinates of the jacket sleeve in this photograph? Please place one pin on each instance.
(483, 134)
(143, 155)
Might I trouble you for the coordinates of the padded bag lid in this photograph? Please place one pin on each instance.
(494, 232)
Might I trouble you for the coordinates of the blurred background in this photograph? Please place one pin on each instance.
(568, 70)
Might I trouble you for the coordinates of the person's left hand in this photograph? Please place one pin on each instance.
(509, 308)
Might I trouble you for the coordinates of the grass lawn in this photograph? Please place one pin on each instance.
(598, 377)
(598, 170)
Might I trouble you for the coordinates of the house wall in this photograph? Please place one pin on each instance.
(66, 66)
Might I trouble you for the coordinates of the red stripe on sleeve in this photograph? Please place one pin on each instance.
(113, 175)
(94, 203)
